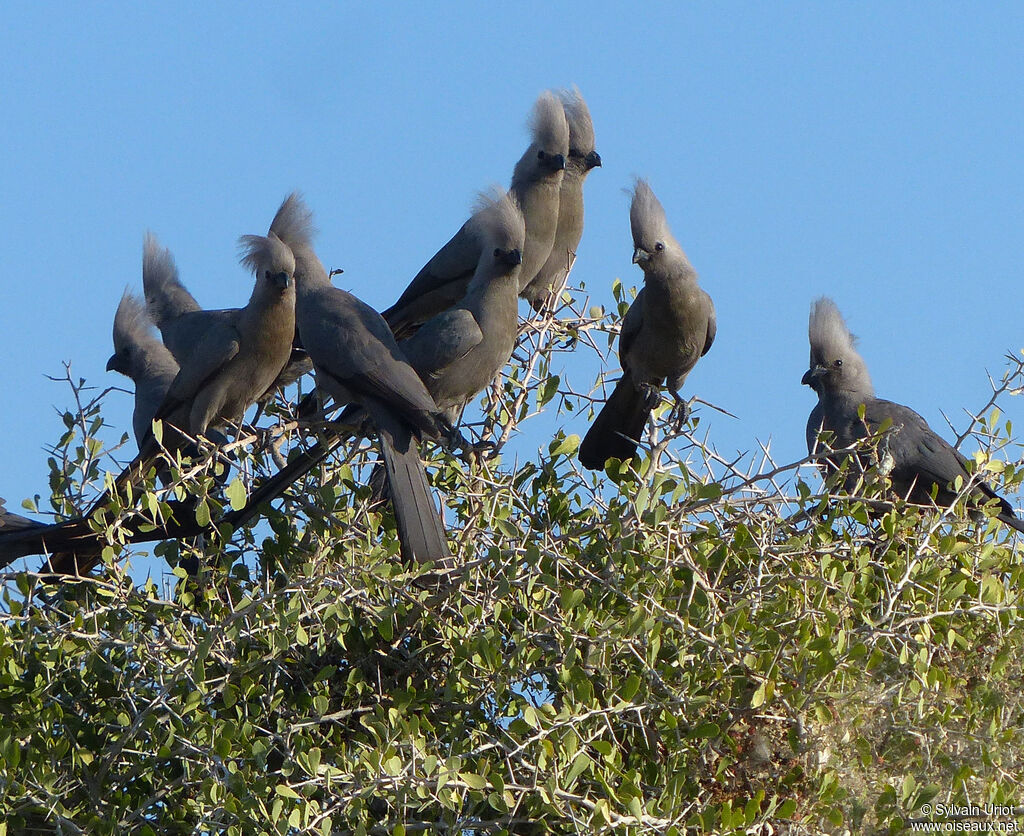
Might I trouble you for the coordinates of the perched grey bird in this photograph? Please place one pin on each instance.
(139, 354)
(921, 465)
(241, 352)
(458, 352)
(357, 360)
(183, 323)
(536, 183)
(668, 328)
(582, 158)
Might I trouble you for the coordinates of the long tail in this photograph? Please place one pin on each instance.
(420, 528)
(1012, 520)
(617, 428)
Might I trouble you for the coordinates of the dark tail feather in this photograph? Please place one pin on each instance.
(617, 428)
(1010, 519)
(16, 522)
(420, 528)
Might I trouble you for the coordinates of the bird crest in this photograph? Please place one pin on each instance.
(581, 126)
(648, 222)
(498, 221)
(548, 126)
(827, 332)
(293, 223)
(266, 252)
(132, 325)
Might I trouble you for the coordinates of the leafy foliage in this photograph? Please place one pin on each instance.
(683, 646)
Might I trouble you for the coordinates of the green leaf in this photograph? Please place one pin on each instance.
(473, 781)
(236, 494)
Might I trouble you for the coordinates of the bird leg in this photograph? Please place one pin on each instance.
(680, 413)
(651, 394)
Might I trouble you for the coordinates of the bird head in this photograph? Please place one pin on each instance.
(498, 224)
(271, 261)
(581, 130)
(131, 329)
(835, 365)
(654, 246)
(549, 148)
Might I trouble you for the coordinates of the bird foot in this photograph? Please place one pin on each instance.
(680, 413)
(651, 395)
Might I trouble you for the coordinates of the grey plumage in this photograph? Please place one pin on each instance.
(536, 181)
(15, 522)
(239, 353)
(357, 360)
(668, 328)
(458, 352)
(139, 354)
(183, 324)
(582, 158)
(237, 357)
(918, 461)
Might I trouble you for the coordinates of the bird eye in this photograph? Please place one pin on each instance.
(541, 155)
(497, 252)
(838, 363)
(659, 246)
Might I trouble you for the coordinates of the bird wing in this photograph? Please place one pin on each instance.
(632, 322)
(918, 452)
(350, 342)
(218, 344)
(440, 283)
(712, 326)
(442, 341)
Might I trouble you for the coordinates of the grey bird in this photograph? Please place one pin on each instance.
(668, 328)
(460, 351)
(183, 323)
(357, 361)
(239, 354)
(140, 356)
(921, 465)
(536, 184)
(583, 157)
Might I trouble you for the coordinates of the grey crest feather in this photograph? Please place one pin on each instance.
(830, 340)
(498, 221)
(581, 126)
(266, 252)
(827, 331)
(649, 225)
(548, 125)
(166, 297)
(132, 325)
(293, 223)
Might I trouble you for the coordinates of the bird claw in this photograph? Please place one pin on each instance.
(680, 413)
(472, 453)
(651, 394)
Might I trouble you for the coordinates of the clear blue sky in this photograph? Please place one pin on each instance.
(871, 152)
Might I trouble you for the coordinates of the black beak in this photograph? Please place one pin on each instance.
(513, 257)
(812, 376)
(640, 255)
(282, 281)
(114, 364)
(557, 162)
(593, 160)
